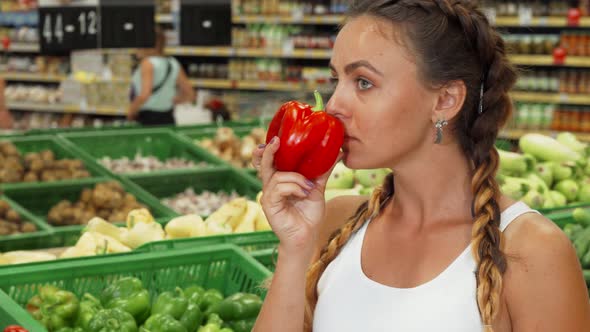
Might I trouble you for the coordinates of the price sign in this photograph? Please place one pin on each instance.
(63, 28)
(205, 22)
(68, 25)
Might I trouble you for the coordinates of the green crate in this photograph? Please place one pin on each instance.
(40, 200)
(55, 131)
(267, 257)
(564, 209)
(561, 218)
(249, 242)
(25, 240)
(60, 150)
(160, 143)
(222, 179)
(223, 267)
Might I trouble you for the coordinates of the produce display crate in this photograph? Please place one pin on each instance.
(55, 131)
(215, 180)
(160, 143)
(40, 200)
(561, 218)
(60, 149)
(248, 242)
(563, 209)
(224, 267)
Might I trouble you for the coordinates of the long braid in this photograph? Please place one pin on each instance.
(368, 210)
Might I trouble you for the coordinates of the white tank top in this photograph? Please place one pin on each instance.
(350, 301)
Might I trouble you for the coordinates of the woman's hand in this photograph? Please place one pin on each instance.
(294, 206)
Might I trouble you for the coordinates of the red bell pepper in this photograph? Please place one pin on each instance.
(310, 138)
(15, 328)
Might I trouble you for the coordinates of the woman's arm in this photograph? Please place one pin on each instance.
(186, 92)
(147, 79)
(544, 286)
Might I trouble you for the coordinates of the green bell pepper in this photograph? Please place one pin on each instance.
(178, 306)
(89, 306)
(171, 303)
(239, 311)
(112, 320)
(214, 319)
(210, 327)
(162, 323)
(240, 306)
(194, 293)
(245, 325)
(210, 297)
(129, 295)
(54, 308)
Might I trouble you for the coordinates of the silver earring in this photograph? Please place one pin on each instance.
(439, 125)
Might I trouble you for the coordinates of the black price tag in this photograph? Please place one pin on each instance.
(205, 22)
(127, 23)
(66, 28)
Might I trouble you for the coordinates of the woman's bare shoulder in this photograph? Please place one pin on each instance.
(543, 283)
(338, 212)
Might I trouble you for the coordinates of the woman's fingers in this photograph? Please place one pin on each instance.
(267, 169)
(291, 177)
(281, 191)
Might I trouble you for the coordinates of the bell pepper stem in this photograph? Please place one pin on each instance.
(319, 101)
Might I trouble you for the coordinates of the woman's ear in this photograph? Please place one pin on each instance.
(450, 101)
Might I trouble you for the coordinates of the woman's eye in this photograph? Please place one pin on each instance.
(363, 84)
(333, 80)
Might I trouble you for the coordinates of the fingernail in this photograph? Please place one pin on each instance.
(273, 140)
(310, 183)
(262, 146)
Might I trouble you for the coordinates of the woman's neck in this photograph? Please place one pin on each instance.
(434, 184)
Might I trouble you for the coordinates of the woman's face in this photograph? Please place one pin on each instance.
(387, 113)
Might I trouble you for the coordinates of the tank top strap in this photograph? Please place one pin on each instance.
(513, 212)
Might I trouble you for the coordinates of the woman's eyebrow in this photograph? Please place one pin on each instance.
(357, 64)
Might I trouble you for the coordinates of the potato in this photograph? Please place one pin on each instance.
(75, 164)
(10, 175)
(86, 195)
(78, 217)
(61, 174)
(88, 215)
(36, 165)
(116, 186)
(129, 199)
(12, 215)
(4, 207)
(47, 155)
(67, 214)
(115, 201)
(54, 216)
(29, 157)
(8, 149)
(103, 213)
(100, 197)
(5, 228)
(13, 163)
(48, 176)
(31, 177)
(28, 227)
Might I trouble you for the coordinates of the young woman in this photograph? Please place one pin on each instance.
(422, 88)
(158, 84)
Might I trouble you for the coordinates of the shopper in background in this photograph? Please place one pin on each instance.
(158, 85)
(422, 88)
(6, 121)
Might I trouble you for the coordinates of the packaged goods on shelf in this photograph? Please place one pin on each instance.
(289, 7)
(572, 118)
(32, 94)
(537, 8)
(531, 43)
(43, 65)
(23, 34)
(275, 36)
(533, 116)
(17, 5)
(571, 81)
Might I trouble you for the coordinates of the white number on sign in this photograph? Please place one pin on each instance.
(87, 23)
(92, 22)
(59, 29)
(50, 31)
(47, 29)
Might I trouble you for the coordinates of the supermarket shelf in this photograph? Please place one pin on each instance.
(32, 77)
(24, 48)
(253, 85)
(60, 108)
(554, 98)
(249, 52)
(270, 19)
(547, 60)
(551, 22)
(515, 134)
